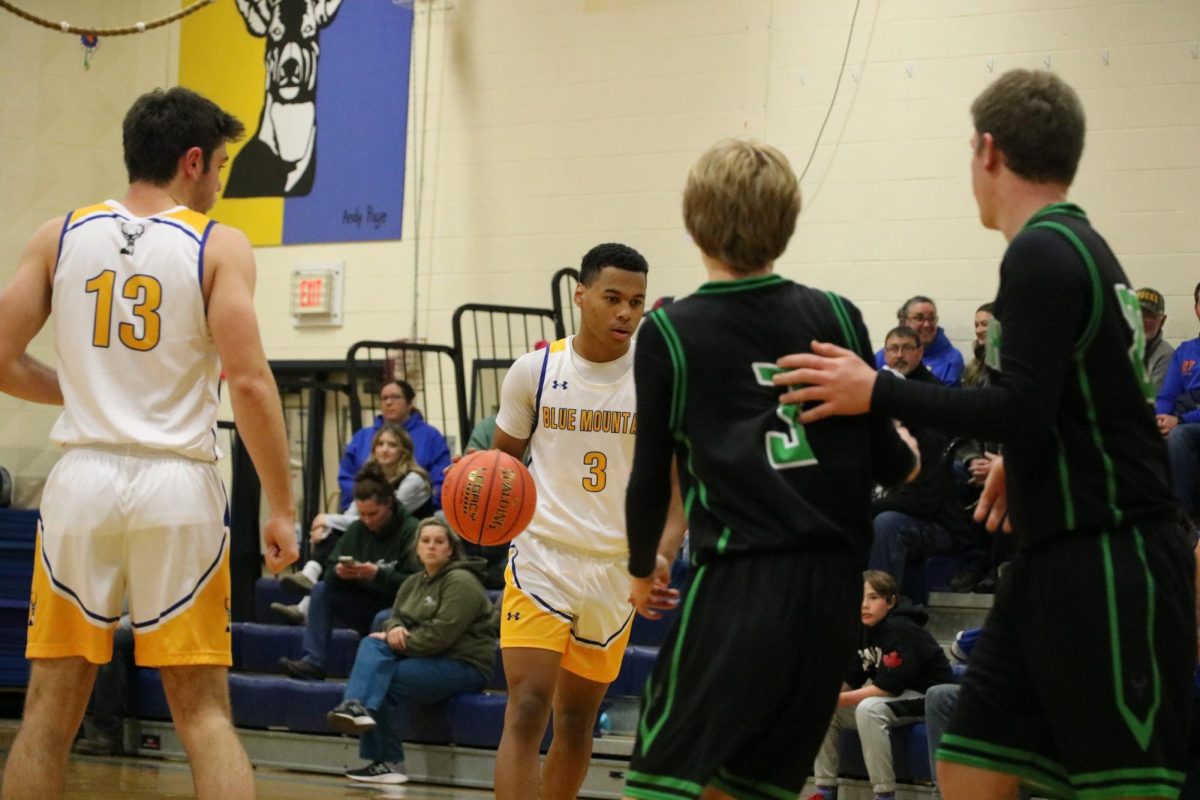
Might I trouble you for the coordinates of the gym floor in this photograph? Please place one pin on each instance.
(131, 778)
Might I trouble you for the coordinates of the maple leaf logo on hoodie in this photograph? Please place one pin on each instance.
(892, 660)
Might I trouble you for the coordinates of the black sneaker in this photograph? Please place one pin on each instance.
(351, 718)
(98, 745)
(378, 772)
(301, 669)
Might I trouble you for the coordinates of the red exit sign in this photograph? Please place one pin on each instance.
(312, 294)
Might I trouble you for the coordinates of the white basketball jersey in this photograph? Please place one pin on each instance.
(135, 359)
(580, 419)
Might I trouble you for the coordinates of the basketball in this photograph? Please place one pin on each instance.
(488, 497)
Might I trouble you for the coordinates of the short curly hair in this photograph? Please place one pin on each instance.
(610, 254)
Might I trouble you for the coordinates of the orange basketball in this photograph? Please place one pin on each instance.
(488, 497)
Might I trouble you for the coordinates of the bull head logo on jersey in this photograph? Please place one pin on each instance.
(280, 159)
(131, 231)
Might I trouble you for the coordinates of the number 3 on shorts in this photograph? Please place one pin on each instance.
(784, 450)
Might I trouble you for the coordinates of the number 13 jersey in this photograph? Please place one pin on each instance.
(580, 418)
(136, 361)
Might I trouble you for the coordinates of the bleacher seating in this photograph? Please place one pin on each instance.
(18, 532)
(263, 699)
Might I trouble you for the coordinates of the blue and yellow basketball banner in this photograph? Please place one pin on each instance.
(322, 86)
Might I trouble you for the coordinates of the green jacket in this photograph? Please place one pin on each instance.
(388, 547)
(449, 615)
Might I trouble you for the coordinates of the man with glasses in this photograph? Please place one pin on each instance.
(429, 445)
(918, 519)
(902, 354)
(942, 359)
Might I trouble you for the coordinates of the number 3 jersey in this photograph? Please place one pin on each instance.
(753, 478)
(136, 362)
(580, 418)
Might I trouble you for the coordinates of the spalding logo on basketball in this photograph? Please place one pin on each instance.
(488, 497)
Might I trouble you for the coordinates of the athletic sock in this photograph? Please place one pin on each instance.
(312, 570)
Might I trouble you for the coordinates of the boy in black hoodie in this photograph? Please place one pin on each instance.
(897, 661)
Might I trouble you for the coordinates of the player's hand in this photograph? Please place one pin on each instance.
(980, 468)
(992, 509)
(653, 594)
(455, 459)
(279, 539)
(835, 378)
(1166, 423)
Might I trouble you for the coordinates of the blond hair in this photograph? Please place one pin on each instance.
(741, 202)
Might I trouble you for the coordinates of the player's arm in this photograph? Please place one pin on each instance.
(652, 594)
(895, 454)
(518, 396)
(257, 410)
(510, 444)
(648, 497)
(24, 308)
(1051, 295)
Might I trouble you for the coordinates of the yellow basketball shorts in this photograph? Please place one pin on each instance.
(568, 601)
(125, 523)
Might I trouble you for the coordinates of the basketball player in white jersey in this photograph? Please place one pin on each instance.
(150, 299)
(566, 614)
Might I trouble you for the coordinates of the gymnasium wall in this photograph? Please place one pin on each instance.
(541, 127)
(60, 147)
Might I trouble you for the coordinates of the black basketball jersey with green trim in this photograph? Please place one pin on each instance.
(1072, 398)
(753, 479)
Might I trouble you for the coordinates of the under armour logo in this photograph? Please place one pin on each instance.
(131, 231)
(513, 616)
(558, 384)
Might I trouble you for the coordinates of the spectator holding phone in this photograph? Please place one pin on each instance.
(362, 573)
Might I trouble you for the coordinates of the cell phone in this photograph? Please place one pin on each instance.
(346, 560)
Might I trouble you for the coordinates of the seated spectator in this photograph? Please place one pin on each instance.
(440, 640)
(942, 359)
(940, 700)
(897, 661)
(429, 446)
(923, 517)
(392, 452)
(976, 373)
(362, 573)
(1178, 415)
(902, 352)
(1157, 357)
(112, 698)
